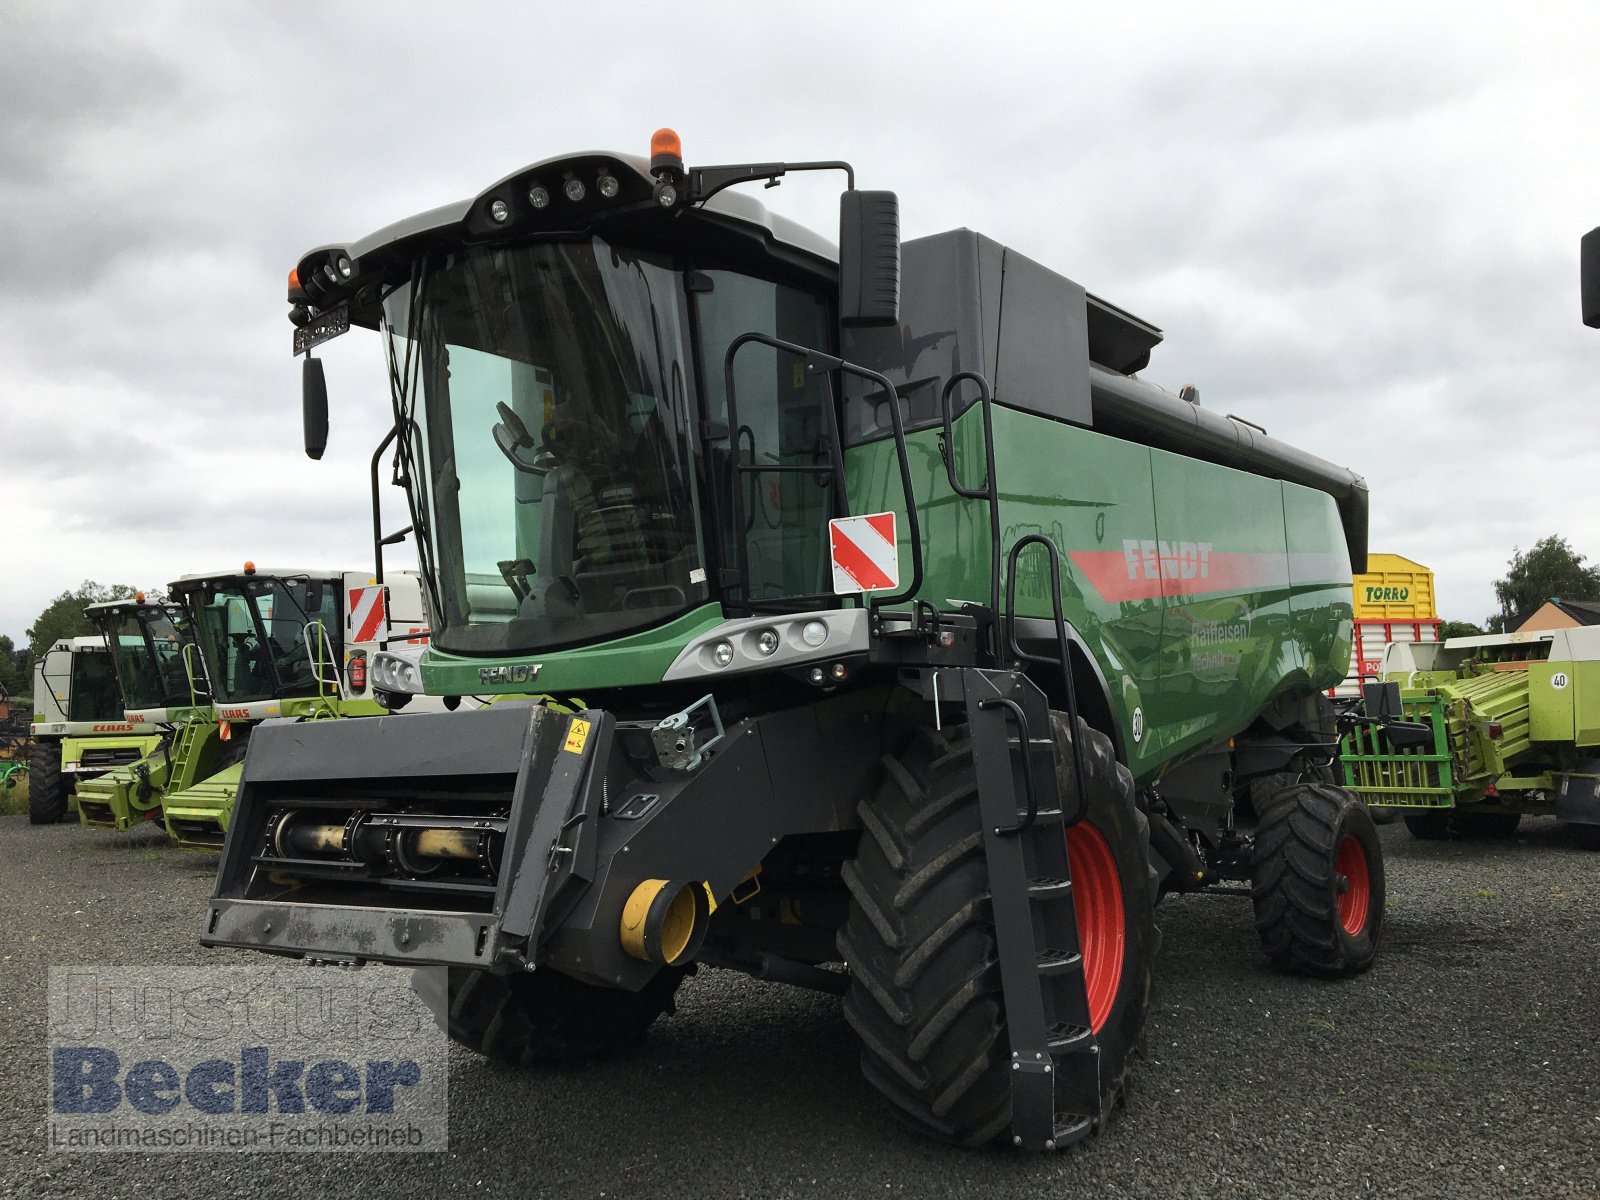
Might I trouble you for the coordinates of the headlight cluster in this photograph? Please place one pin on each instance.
(757, 643)
(556, 195)
(395, 673)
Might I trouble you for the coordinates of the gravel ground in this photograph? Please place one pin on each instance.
(1465, 1063)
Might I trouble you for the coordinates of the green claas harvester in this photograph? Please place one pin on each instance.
(164, 691)
(915, 646)
(1466, 736)
(290, 646)
(80, 729)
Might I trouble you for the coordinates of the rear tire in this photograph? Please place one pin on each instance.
(546, 1018)
(47, 792)
(1317, 881)
(1587, 836)
(925, 995)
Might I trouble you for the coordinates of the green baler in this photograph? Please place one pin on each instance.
(1489, 728)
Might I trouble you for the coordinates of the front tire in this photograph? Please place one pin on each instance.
(546, 1018)
(47, 792)
(1317, 881)
(925, 995)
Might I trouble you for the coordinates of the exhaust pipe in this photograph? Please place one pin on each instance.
(664, 921)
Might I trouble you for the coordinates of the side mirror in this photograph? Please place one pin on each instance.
(314, 406)
(1589, 271)
(869, 259)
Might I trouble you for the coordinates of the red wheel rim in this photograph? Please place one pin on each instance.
(1355, 901)
(1102, 927)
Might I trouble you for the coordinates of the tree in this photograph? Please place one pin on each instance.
(1550, 568)
(13, 668)
(1450, 629)
(63, 617)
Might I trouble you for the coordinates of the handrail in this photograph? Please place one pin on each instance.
(378, 540)
(314, 657)
(817, 363)
(989, 491)
(1062, 641)
(188, 669)
(1025, 737)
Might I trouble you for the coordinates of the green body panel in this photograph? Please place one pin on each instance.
(1502, 737)
(123, 798)
(72, 748)
(1201, 591)
(197, 818)
(637, 660)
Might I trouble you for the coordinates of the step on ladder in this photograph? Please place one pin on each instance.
(1055, 1059)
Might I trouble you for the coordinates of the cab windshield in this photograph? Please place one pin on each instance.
(94, 688)
(556, 493)
(253, 635)
(147, 650)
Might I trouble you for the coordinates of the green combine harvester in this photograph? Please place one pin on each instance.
(920, 645)
(80, 729)
(1466, 736)
(284, 645)
(163, 690)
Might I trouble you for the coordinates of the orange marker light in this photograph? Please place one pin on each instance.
(294, 279)
(249, 567)
(666, 150)
(138, 597)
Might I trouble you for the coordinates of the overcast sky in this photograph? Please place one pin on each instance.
(1360, 231)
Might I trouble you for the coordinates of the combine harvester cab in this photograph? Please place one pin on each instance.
(80, 729)
(285, 646)
(1465, 737)
(848, 658)
(156, 663)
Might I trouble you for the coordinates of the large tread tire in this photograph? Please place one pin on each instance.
(925, 995)
(47, 791)
(1318, 911)
(1587, 836)
(546, 1018)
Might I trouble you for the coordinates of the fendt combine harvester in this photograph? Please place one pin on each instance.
(289, 645)
(919, 636)
(163, 692)
(80, 730)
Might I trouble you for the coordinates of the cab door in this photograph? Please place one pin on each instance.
(780, 453)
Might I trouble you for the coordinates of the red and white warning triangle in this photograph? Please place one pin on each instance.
(864, 555)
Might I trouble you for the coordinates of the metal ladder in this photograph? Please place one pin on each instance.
(1055, 1058)
(1055, 1081)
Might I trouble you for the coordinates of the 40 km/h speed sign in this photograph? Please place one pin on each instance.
(865, 557)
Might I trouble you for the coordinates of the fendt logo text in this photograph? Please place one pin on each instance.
(515, 673)
(1149, 559)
